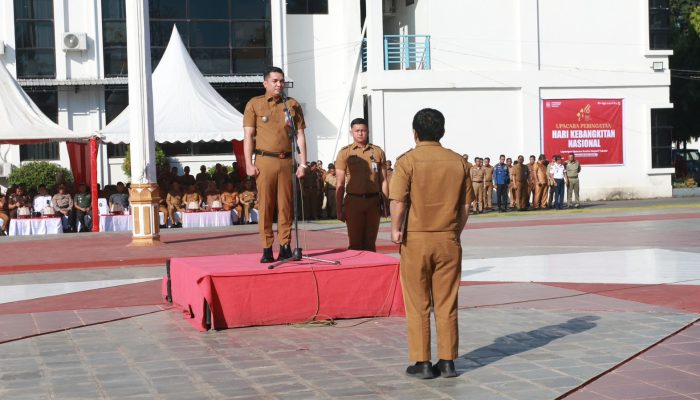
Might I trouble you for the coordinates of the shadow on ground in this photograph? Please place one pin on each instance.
(521, 342)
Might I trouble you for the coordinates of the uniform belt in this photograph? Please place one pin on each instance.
(477, 181)
(280, 155)
(364, 196)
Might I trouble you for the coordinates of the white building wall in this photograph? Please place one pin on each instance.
(323, 52)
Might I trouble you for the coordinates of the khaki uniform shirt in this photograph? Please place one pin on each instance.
(531, 172)
(62, 202)
(540, 173)
(248, 197)
(362, 166)
(477, 174)
(269, 119)
(436, 184)
(174, 199)
(488, 174)
(572, 169)
(331, 181)
(520, 172)
(229, 199)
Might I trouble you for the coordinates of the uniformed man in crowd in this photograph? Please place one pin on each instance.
(521, 178)
(477, 178)
(541, 183)
(466, 158)
(511, 179)
(531, 180)
(330, 185)
(362, 185)
(430, 195)
(501, 177)
(321, 173)
(83, 209)
(573, 168)
(311, 190)
(488, 185)
(267, 130)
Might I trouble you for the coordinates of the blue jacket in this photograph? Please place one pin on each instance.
(500, 174)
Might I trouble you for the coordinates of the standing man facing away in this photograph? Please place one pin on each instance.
(501, 177)
(267, 129)
(430, 194)
(360, 169)
(573, 168)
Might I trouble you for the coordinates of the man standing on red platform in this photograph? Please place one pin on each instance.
(267, 126)
(430, 193)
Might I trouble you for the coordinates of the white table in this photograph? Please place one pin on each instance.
(35, 226)
(115, 223)
(206, 219)
(164, 219)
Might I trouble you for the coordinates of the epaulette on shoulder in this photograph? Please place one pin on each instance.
(397, 158)
(345, 147)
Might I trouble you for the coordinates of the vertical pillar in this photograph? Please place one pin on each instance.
(278, 16)
(144, 194)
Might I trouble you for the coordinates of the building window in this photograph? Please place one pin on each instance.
(659, 25)
(47, 101)
(34, 35)
(661, 138)
(224, 37)
(307, 6)
(409, 2)
(116, 100)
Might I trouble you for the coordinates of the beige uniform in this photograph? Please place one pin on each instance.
(541, 185)
(488, 187)
(363, 179)
(435, 184)
(248, 198)
(531, 183)
(521, 189)
(330, 185)
(273, 159)
(477, 177)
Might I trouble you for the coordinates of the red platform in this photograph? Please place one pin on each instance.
(242, 292)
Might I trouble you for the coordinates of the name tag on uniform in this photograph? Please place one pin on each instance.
(375, 169)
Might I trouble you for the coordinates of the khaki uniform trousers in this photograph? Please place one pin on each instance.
(521, 193)
(274, 191)
(488, 195)
(478, 196)
(362, 217)
(512, 188)
(540, 200)
(531, 188)
(572, 188)
(431, 269)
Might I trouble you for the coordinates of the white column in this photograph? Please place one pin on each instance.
(375, 39)
(144, 189)
(278, 19)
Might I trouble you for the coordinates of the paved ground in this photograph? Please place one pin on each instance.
(626, 330)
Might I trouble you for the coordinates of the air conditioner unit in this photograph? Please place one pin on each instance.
(73, 41)
(5, 170)
(2, 47)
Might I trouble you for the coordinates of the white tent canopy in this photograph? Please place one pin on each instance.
(21, 121)
(185, 106)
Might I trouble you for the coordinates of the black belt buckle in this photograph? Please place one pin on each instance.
(281, 156)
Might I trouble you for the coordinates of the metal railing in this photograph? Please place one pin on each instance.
(407, 52)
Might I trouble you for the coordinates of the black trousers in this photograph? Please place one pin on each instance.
(502, 195)
(80, 217)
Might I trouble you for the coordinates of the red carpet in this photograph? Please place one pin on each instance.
(242, 292)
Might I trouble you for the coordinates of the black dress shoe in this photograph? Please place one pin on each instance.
(421, 370)
(445, 368)
(267, 256)
(285, 252)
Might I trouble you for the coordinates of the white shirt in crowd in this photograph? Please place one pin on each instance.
(557, 171)
(40, 202)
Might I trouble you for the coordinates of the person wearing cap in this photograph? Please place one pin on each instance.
(267, 130)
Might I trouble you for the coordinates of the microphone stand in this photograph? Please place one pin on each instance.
(297, 254)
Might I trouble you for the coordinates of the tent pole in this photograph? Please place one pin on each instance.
(93, 186)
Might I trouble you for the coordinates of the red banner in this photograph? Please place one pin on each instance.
(589, 128)
(238, 151)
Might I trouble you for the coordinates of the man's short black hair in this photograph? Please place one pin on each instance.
(41, 186)
(487, 159)
(270, 70)
(502, 155)
(429, 125)
(358, 121)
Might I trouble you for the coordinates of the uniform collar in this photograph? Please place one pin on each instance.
(271, 98)
(427, 143)
(358, 146)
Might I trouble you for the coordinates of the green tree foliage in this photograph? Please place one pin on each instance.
(685, 69)
(38, 173)
(161, 160)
